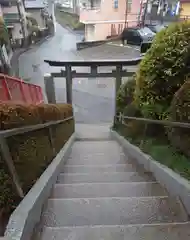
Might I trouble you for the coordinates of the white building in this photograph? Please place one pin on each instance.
(15, 19)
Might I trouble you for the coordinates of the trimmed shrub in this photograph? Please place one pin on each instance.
(180, 112)
(6, 188)
(31, 152)
(132, 110)
(133, 128)
(125, 94)
(163, 70)
(13, 116)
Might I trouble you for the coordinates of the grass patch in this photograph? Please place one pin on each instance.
(68, 19)
(161, 151)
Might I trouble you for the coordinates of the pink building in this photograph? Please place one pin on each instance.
(103, 18)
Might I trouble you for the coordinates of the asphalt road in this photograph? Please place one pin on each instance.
(93, 99)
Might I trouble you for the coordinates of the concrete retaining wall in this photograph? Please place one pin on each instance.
(25, 217)
(173, 182)
(83, 45)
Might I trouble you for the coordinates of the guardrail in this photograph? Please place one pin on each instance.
(122, 119)
(161, 122)
(17, 91)
(161, 147)
(5, 152)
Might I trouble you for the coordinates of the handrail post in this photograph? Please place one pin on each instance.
(50, 88)
(118, 82)
(10, 165)
(144, 135)
(50, 135)
(68, 71)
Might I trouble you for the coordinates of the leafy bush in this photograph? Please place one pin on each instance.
(125, 94)
(133, 128)
(4, 36)
(13, 116)
(31, 152)
(132, 110)
(163, 70)
(180, 111)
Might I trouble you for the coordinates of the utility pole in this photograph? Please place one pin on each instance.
(162, 12)
(91, 4)
(126, 14)
(18, 3)
(140, 13)
(145, 12)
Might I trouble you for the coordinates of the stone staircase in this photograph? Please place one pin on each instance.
(101, 194)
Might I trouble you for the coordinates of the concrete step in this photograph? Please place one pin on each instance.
(96, 146)
(98, 168)
(112, 211)
(92, 131)
(97, 159)
(173, 231)
(97, 153)
(91, 190)
(68, 178)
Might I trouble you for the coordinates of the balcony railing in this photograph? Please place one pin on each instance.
(10, 18)
(90, 14)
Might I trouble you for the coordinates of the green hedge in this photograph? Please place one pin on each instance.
(163, 70)
(31, 152)
(179, 112)
(125, 94)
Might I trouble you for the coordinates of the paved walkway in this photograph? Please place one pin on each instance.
(93, 98)
(17, 53)
(101, 194)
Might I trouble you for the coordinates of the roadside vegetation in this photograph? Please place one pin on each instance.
(160, 90)
(67, 19)
(31, 152)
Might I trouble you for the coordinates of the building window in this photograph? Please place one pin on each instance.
(115, 4)
(129, 5)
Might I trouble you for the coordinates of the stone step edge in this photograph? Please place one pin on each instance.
(122, 226)
(114, 198)
(105, 183)
(99, 165)
(102, 173)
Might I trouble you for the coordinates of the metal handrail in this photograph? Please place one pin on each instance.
(161, 122)
(5, 151)
(30, 128)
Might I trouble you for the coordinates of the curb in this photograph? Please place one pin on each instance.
(27, 215)
(175, 184)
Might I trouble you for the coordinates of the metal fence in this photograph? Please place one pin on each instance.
(125, 120)
(6, 154)
(15, 90)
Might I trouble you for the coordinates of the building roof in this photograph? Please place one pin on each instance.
(30, 4)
